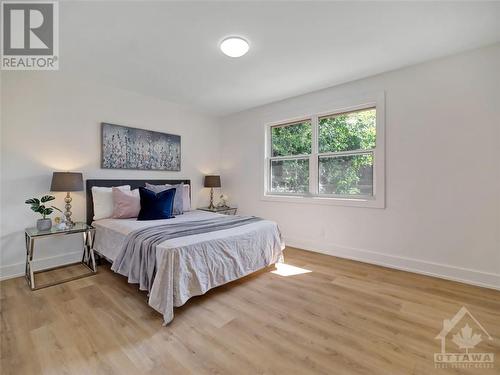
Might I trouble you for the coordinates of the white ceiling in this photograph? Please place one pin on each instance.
(170, 49)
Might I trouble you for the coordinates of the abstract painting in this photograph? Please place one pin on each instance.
(131, 148)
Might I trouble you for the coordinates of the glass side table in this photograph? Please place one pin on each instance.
(220, 210)
(88, 258)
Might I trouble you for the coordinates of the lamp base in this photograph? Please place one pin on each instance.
(68, 212)
(211, 205)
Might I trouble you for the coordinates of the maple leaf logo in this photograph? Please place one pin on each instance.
(465, 339)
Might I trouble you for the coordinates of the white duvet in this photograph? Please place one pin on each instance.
(192, 265)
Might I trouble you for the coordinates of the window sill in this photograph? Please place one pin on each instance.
(325, 201)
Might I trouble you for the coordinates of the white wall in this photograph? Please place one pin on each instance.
(442, 212)
(52, 123)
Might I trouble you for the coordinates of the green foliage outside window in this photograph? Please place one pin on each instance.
(290, 176)
(346, 175)
(350, 174)
(340, 175)
(347, 131)
(294, 139)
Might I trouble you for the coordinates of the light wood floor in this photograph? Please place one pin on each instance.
(344, 317)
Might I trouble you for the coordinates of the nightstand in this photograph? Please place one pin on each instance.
(88, 259)
(220, 210)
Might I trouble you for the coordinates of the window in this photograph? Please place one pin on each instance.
(291, 149)
(346, 143)
(338, 155)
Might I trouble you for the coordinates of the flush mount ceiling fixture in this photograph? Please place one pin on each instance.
(234, 46)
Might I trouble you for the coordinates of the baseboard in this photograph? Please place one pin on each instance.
(15, 270)
(443, 271)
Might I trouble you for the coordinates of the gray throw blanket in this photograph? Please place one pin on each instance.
(137, 259)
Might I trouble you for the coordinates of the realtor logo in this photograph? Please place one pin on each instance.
(465, 338)
(30, 35)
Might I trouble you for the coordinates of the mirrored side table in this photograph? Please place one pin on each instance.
(220, 210)
(88, 258)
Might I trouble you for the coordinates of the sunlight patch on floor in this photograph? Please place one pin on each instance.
(284, 269)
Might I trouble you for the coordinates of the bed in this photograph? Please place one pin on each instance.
(200, 251)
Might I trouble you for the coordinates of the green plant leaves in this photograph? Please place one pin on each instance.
(40, 208)
(292, 139)
(348, 131)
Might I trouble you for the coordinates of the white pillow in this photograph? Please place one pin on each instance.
(186, 198)
(103, 201)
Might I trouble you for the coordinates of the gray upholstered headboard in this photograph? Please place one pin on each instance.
(134, 184)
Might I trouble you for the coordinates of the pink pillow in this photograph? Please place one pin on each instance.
(126, 204)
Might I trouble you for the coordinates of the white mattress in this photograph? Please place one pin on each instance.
(111, 233)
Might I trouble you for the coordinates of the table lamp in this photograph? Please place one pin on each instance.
(67, 181)
(212, 182)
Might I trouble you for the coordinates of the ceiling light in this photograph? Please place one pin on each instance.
(234, 46)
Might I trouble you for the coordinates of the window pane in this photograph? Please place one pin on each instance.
(346, 175)
(293, 139)
(347, 131)
(290, 176)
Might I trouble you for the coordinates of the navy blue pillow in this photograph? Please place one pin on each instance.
(156, 206)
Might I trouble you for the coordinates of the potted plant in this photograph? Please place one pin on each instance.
(38, 206)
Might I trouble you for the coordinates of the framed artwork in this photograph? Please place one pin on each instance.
(131, 148)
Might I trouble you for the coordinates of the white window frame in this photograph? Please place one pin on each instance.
(377, 200)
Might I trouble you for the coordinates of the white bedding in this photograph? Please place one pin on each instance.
(201, 262)
(111, 233)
